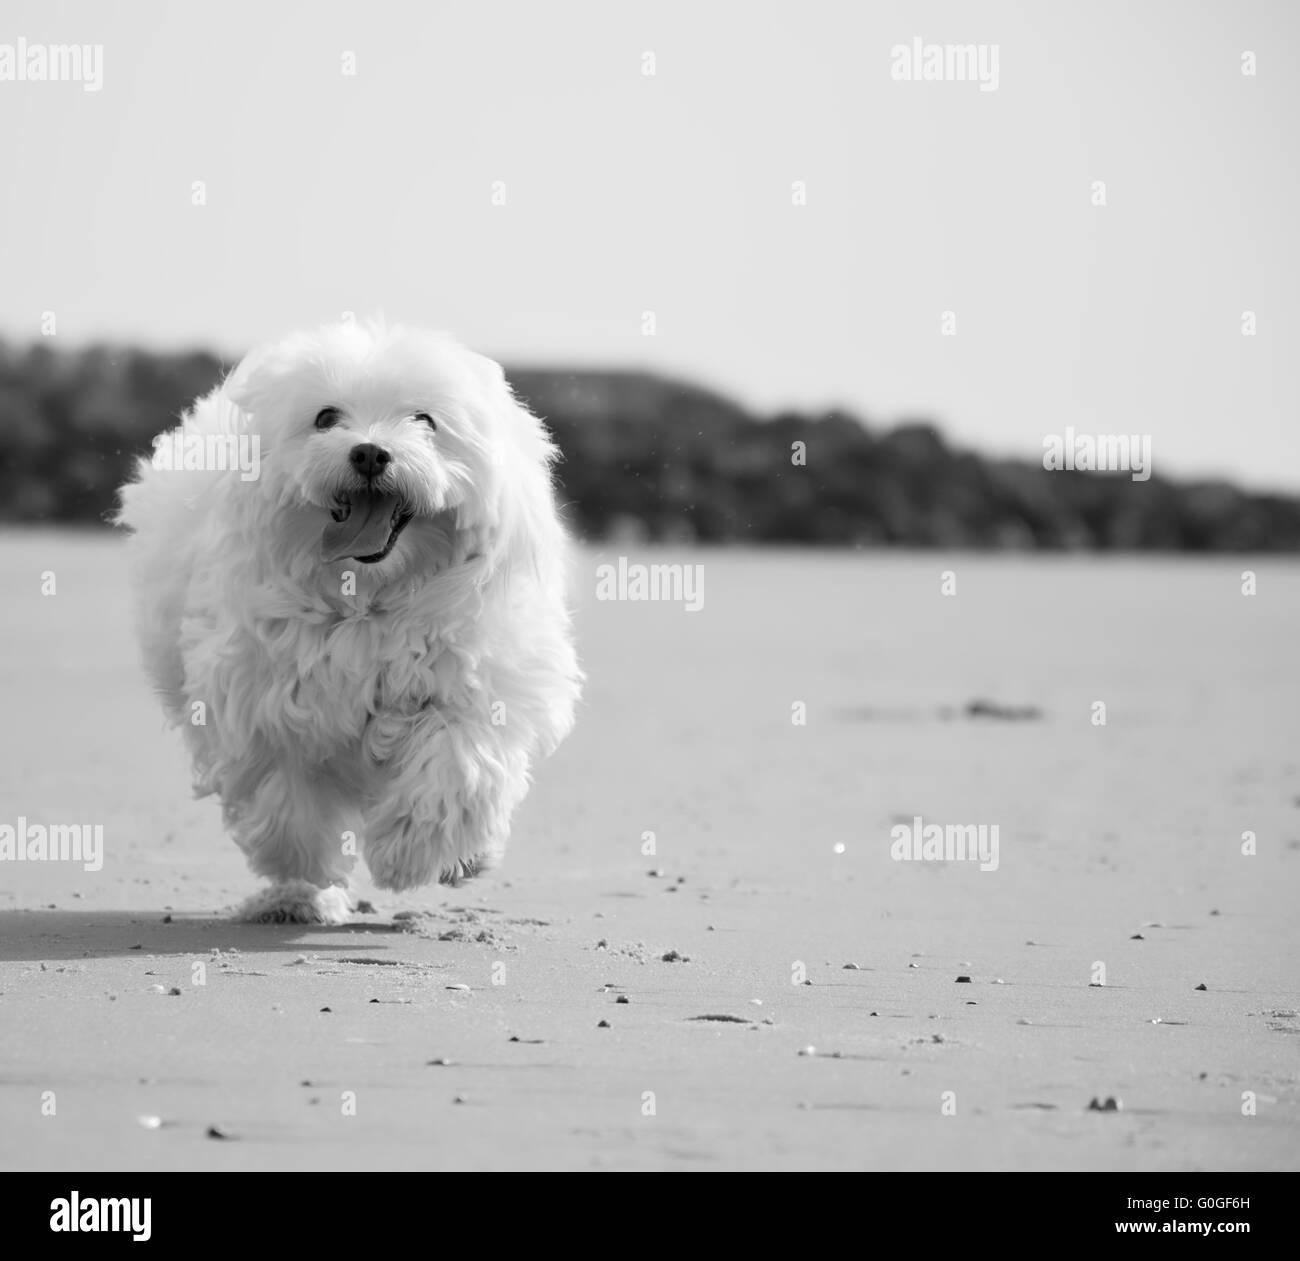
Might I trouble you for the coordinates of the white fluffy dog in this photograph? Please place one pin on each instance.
(367, 641)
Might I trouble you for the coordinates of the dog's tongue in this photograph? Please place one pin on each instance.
(366, 530)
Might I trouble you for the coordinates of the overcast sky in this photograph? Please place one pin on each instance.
(674, 193)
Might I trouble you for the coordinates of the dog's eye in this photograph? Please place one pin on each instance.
(328, 417)
(426, 418)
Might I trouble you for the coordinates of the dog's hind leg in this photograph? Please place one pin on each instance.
(296, 902)
(299, 830)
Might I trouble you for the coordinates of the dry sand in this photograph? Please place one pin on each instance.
(485, 1029)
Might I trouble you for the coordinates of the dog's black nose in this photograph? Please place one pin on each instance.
(369, 460)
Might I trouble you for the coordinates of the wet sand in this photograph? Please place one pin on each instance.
(482, 1027)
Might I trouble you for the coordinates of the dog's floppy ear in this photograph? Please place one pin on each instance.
(252, 375)
(270, 371)
(525, 531)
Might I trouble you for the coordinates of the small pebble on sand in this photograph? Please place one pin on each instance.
(604, 1024)
(963, 980)
(1202, 986)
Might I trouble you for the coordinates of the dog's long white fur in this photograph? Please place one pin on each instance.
(398, 704)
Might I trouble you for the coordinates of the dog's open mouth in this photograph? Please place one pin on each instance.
(364, 526)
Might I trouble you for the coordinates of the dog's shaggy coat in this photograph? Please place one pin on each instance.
(388, 704)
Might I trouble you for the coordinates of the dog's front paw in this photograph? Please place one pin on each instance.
(405, 860)
(463, 869)
(297, 902)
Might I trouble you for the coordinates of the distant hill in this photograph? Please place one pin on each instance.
(649, 457)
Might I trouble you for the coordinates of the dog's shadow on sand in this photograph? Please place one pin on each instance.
(45, 936)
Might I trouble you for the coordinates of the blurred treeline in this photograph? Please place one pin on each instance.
(653, 458)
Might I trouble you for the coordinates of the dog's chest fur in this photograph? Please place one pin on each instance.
(318, 680)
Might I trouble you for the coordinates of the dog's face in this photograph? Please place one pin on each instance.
(380, 445)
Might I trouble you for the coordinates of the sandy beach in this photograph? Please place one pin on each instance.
(768, 988)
